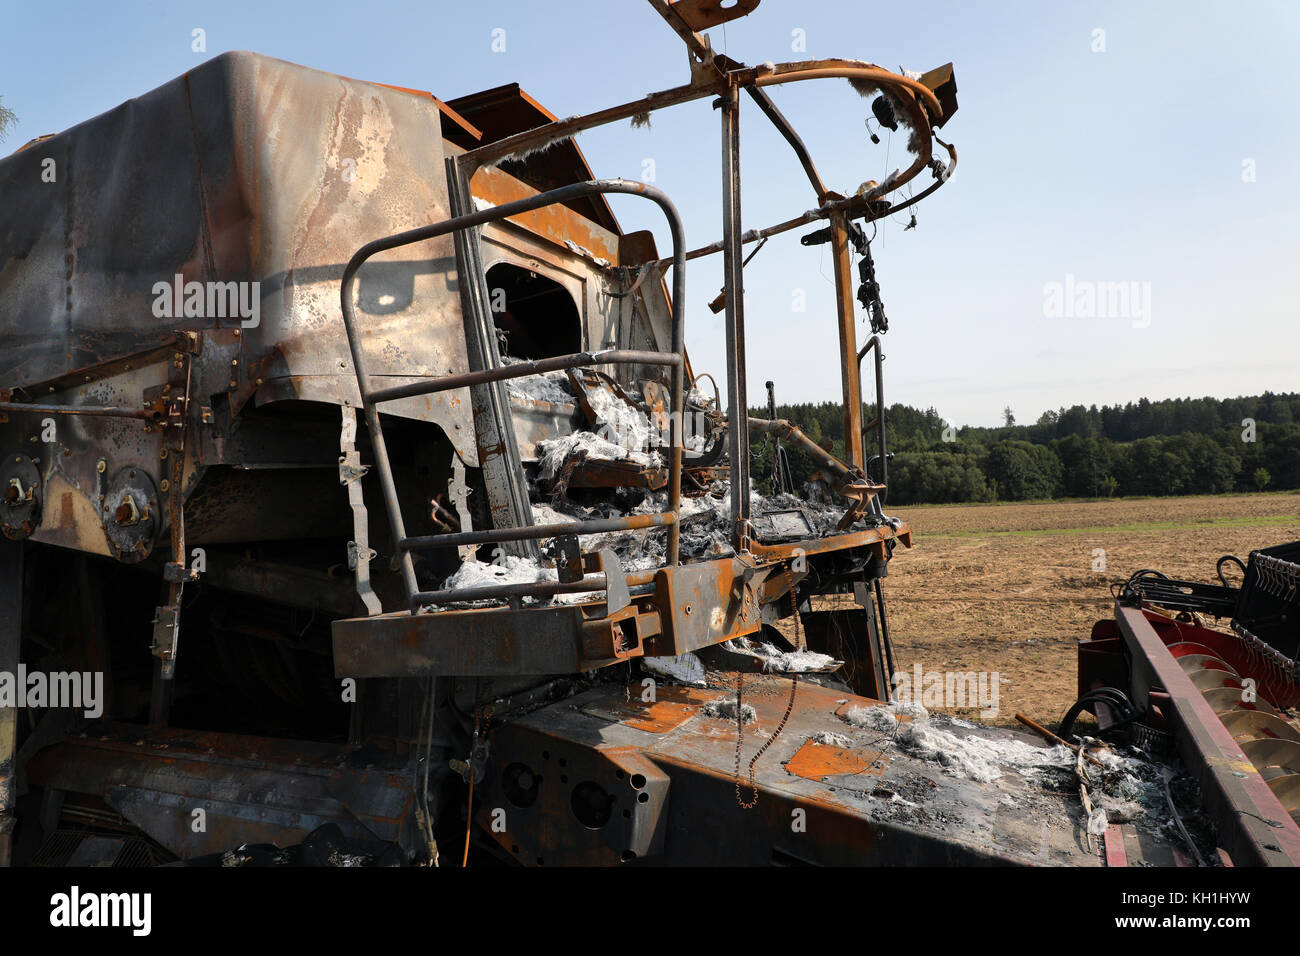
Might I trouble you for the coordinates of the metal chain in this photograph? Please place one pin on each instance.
(740, 726)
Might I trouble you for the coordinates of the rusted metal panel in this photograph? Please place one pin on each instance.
(817, 804)
(558, 224)
(692, 606)
(706, 603)
(507, 109)
(285, 167)
(823, 763)
(250, 789)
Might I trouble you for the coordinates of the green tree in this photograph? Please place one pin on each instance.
(1261, 478)
(7, 118)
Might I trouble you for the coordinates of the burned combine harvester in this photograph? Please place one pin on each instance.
(442, 543)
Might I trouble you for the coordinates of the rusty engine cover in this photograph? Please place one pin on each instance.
(248, 170)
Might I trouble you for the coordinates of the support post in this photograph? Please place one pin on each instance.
(733, 283)
(852, 386)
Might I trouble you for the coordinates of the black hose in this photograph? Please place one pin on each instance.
(1126, 712)
(1218, 568)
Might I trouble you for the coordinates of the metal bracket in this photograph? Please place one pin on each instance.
(356, 556)
(458, 490)
(166, 633)
(350, 473)
(617, 595)
(568, 558)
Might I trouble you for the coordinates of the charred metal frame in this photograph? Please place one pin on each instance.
(372, 397)
(716, 75)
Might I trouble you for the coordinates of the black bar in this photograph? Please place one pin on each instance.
(522, 369)
(100, 411)
(532, 532)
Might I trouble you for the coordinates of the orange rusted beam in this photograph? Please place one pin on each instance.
(556, 223)
(850, 384)
(869, 537)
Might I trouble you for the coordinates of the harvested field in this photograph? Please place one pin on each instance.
(1011, 587)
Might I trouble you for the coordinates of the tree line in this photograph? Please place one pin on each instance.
(1168, 447)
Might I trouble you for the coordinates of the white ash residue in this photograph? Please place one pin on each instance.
(507, 569)
(684, 668)
(911, 708)
(699, 398)
(974, 757)
(481, 204)
(545, 514)
(690, 507)
(619, 421)
(1117, 810)
(623, 433)
(872, 718)
(725, 708)
(556, 451)
(1097, 821)
(982, 759)
(776, 660)
(541, 388)
(638, 550)
(798, 662)
(883, 718)
(828, 739)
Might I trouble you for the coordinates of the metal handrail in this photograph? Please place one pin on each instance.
(371, 398)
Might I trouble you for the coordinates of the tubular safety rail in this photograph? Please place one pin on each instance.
(372, 397)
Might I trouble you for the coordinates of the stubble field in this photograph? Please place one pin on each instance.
(1012, 588)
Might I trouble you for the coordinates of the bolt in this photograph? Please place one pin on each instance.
(101, 466)
(163, 453)
(164, 484)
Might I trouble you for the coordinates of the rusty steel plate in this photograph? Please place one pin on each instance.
(672, 707)
(814, 761)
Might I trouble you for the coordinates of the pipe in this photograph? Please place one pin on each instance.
(780, 428)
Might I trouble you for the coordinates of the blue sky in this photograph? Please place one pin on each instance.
(1127, 165)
